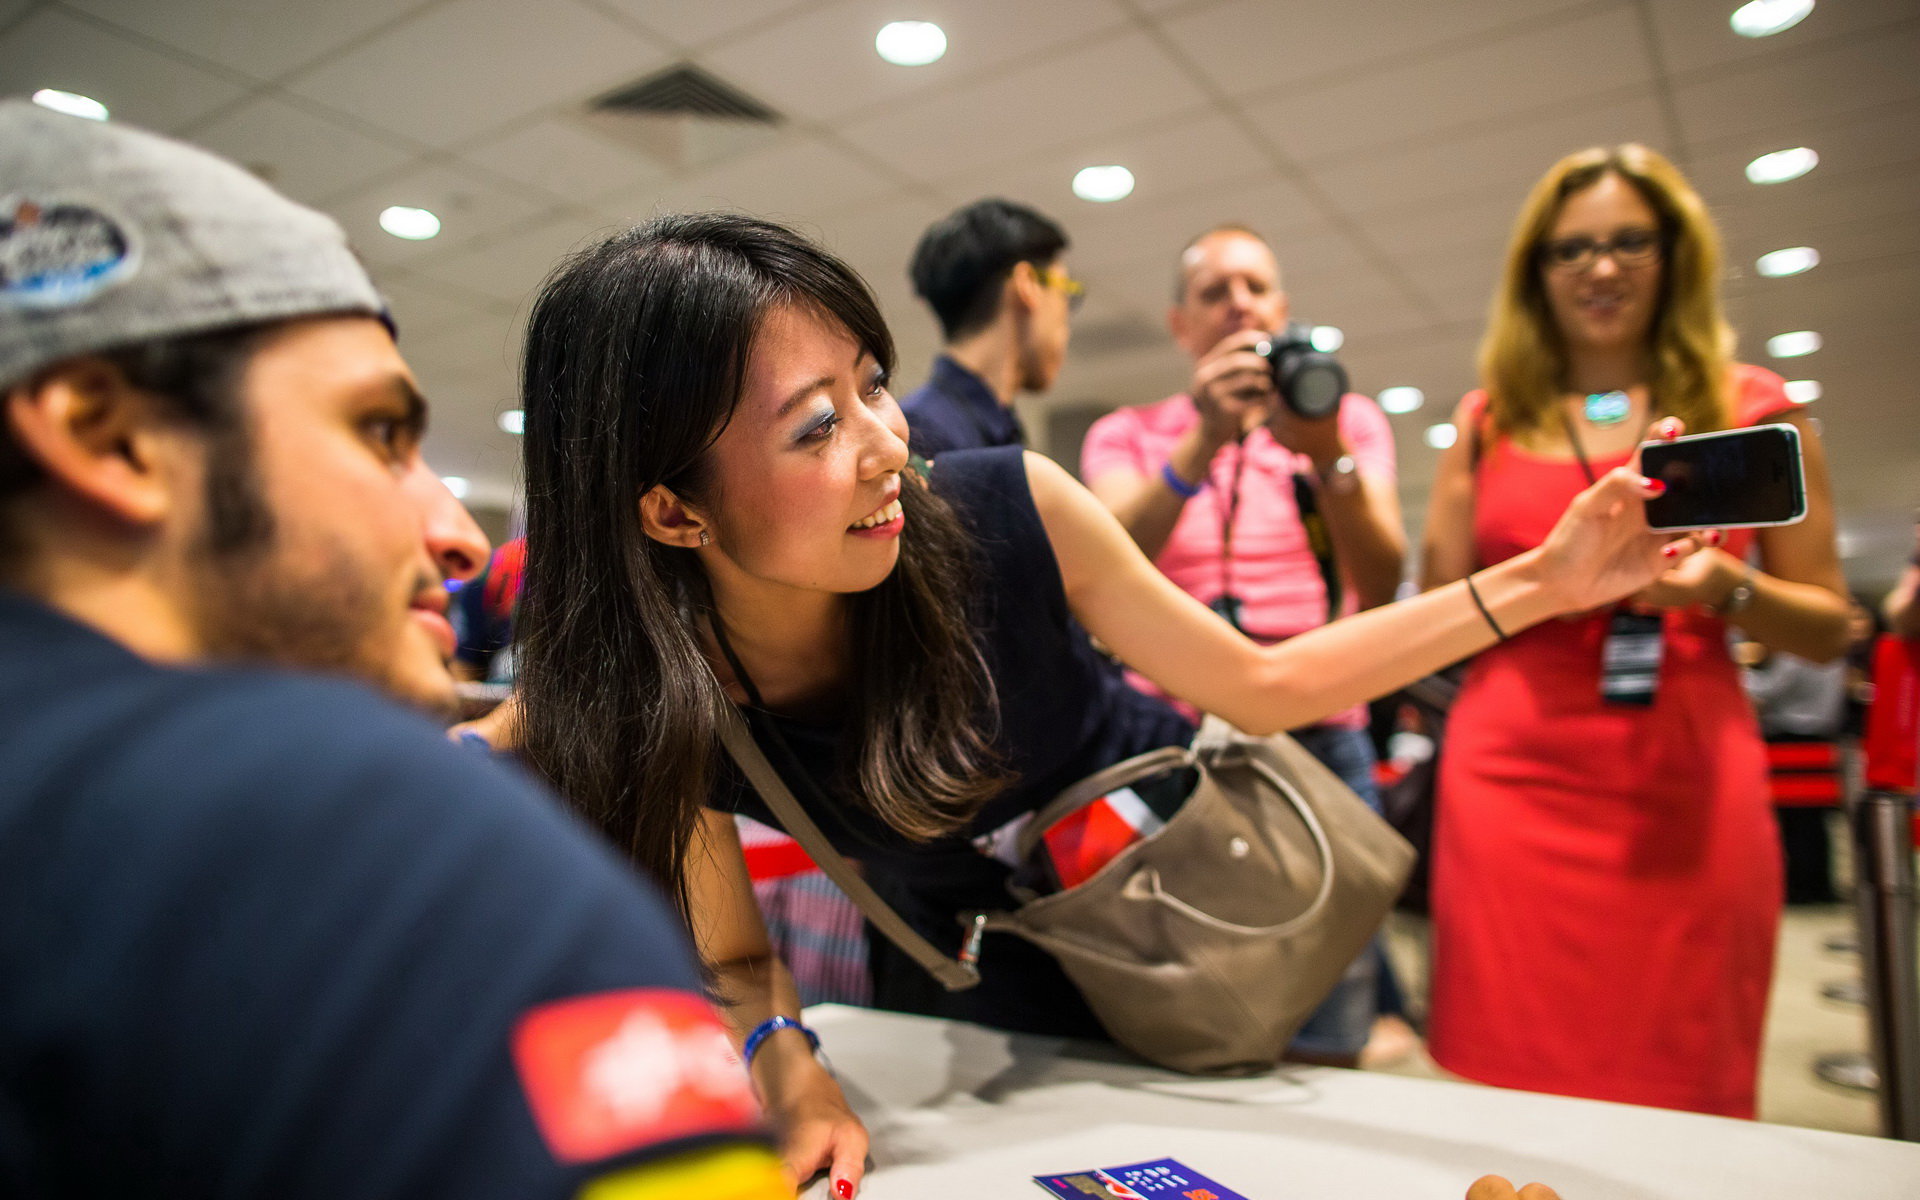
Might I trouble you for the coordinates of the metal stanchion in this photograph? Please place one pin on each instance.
(1882, 824)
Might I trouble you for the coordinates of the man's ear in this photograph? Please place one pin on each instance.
(1177, 323)
(97, 437)
(1024, 286)
(666, 519)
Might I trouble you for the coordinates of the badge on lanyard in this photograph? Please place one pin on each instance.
(1630, 659)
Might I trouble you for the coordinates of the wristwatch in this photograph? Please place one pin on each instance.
(1341, 476)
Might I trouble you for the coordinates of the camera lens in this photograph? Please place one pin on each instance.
(1317, 388)
(1309, 381)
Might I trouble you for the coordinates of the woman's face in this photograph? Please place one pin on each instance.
(1608, 301)
(806, 476)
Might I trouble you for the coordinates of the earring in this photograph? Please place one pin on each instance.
(706, 539)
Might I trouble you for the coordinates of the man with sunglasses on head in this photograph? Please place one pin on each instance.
(993, 274)
(1277, 521)
(268, 934)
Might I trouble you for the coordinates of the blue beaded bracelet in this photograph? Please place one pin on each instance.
(768, 1028)
(1181, 488)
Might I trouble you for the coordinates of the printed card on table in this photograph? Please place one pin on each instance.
(1160, 1179)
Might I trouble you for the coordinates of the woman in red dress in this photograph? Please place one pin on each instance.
(1607, 876)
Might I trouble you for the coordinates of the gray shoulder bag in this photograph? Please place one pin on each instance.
(1204, 946)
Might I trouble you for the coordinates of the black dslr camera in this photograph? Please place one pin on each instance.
(1310, 381)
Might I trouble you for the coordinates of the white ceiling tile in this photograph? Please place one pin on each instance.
(1513, 155)
(52, 49)
(1144, 243)
(469, 208)
(697, 24)
(510, 268)
(1253, 45)
(1487, 82)
(308, 157)
(1457, 280)
(514, 58)
(1696, 35)
(1112, 84)
(484, 347)
(843, 74)
(422, 308)
(1821, 81)
(261, 38)
(1477, 219)
(798, 178)
(566, 159)
(1168, 161)
(1885, 140)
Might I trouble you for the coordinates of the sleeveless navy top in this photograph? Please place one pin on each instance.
(1064, 710)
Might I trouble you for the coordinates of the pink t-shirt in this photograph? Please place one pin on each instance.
(1272, 569)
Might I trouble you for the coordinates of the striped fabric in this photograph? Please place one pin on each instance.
(815, 929)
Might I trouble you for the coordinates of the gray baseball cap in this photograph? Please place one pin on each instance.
(110, 236)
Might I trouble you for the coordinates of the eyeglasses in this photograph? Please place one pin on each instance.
(1073, 289)
(1628, 248)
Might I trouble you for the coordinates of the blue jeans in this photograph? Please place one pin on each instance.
(1339, 1027)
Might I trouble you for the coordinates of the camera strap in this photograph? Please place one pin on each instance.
(1319, 540)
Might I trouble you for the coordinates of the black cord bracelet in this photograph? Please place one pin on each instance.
(1482, 606)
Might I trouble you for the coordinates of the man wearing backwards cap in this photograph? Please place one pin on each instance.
(263, 934)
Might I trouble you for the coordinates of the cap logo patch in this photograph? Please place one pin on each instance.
(616, 1071)
(59, 253)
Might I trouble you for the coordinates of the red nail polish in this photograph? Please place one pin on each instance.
(843, 1188)
(1659, 488)
(1670, 551)
(1668, 432)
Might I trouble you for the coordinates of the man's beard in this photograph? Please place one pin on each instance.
(256, 603)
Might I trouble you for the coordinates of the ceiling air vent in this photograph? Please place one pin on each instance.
(686, 91)
(684, 120)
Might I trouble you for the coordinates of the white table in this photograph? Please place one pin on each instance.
(960, 1111)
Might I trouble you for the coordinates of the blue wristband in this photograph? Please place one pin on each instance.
(1181, 488)
(768, 1028)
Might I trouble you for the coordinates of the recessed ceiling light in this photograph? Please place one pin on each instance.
(71, 103)
(514, 421)
(1791, 261)
(1803, 391)
(1763, 18)
(911, 43)
(1401, 399)
(1793, 345)
(1103, 184)
(1327, 338)
(1782, 165)
(1442, 436)
(413, 224)
(457, 484)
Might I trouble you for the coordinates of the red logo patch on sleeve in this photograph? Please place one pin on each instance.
(615, 1071)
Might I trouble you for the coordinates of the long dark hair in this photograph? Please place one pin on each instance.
(636, 352)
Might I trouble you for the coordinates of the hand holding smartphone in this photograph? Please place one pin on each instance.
(1732, 479)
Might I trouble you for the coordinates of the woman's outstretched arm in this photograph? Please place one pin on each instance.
(1601, 550)
(818, 1130)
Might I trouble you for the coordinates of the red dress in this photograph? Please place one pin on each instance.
(1606, 879)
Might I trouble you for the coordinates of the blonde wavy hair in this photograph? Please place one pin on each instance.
(1523, 358)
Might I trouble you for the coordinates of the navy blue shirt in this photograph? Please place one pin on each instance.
(956, 410)
(263, 935)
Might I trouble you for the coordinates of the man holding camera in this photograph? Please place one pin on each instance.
(1276, 518)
